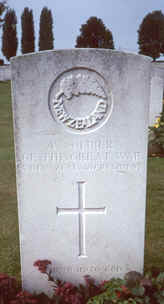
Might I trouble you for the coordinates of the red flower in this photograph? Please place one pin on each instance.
(3, 276)
(125, 289)
(24, 294)
(118, 294)
(42, 265)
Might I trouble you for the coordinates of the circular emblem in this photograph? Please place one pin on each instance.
(80, 101)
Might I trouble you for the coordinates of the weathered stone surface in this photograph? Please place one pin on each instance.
(81, 123)
(5, 73)
(156, 96)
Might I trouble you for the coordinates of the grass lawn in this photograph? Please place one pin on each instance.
(9, 240)
(154, 246)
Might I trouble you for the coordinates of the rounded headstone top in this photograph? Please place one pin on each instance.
(83, 51)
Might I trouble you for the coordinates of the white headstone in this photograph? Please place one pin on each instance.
(157, 90)
(5, 72)
(81, 121)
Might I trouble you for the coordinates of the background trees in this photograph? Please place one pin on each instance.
(9, 36)
(28, 37)
(3, 7)
(94, 34)
(151, 35)
(45, 34)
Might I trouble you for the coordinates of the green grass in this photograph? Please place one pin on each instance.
(154, 246)
(9, 236)
(9, 240)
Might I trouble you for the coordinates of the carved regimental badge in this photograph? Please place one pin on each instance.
(80, 101)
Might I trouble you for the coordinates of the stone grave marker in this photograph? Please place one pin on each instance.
(156, 95)
(5, 72)
(80, 125)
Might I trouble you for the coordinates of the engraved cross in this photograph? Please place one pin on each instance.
(81, 211)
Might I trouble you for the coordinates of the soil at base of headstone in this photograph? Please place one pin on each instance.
(155, 150)
(161, 155)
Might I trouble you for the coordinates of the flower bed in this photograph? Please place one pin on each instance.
(134, 288)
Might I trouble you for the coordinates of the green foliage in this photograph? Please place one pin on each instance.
(158, 130)
(45, 34)
(94, 34)
(149, 289)
(112, 291)
(151, 35)
(134, 288)
(28, 37)
(9, 37)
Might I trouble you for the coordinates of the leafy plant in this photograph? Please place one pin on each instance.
(24, 297)
(66, 292)
(133, 289)
(158, 131)
(148, 290)
(8, 288)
